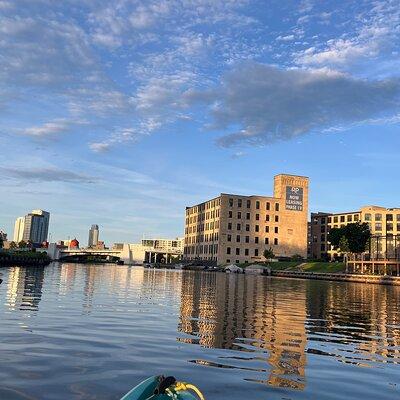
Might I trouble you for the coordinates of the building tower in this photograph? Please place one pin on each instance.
(93, 236)
(33, 227)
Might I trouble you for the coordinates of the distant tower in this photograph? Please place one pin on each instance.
(93, 236)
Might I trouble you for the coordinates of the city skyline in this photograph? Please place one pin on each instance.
(143, 108)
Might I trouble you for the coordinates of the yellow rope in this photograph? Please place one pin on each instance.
(181, 386)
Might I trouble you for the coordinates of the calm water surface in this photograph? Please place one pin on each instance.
(74, 331)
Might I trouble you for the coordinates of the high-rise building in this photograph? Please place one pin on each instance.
(235, 228)
(33, 227)
(93, 236)
(19, 229)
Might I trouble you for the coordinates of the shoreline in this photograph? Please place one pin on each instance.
(339, 277)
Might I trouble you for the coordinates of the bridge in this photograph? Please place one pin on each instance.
(128, 253)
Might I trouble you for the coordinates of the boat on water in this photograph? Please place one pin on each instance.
(164, 388)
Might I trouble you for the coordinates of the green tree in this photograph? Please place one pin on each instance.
(334, 236)
(268, 253)
(357, 236)
(1, 242)
(351, 238)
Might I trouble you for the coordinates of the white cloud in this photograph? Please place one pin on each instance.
(287, 38)
(47, 129)
(260, 104)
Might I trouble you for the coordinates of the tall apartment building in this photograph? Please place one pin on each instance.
(383, 222)
(32, 227)
(93, 236)
(235, 228)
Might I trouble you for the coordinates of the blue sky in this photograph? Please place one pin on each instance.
(122, 113)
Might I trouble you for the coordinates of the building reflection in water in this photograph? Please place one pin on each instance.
(24, 288)
(363, 317)
(240, 313)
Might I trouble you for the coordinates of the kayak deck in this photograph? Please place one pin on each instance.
(146, 391)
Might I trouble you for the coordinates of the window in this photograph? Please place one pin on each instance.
(398, 227)
(267, 206)
(368, 217)
(276, 241)
(378, 226)
(356, 218)
(256, 252)
(323, 238)
(336, 219)
(266, 241)
(323, 229)
(237, 261)
(267, 218)
(267, 229)
(237, 251)
(276, 229)
(329, 220)
(229, 238)
(238, 227)
(276, 218)
(228, 260)
(247, 215)
(256, 240)
(238, 238)
(389, 226)
(389, 217)
(398, 217)
(257, 205)
(248, 203)
(257, 228)
(246, 252)
(239, 215)
(257, 217)
(247, 239)
(378, 217)
(228, 250)
(247, 228)
(230, 202)
(349, 218)
(276, 206)
(239, 202)
(342, 218)
(229, 225)
(323, 220)
(230, 214)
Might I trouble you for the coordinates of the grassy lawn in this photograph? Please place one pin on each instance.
(282, 265)
(323, 267)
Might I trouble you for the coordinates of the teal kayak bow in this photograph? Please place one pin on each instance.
(164, 388)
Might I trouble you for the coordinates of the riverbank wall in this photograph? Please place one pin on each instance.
(374, 279)
(23, 259)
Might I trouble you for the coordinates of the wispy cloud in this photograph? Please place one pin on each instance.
(44, 175)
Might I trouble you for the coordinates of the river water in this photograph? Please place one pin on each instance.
(71, 331)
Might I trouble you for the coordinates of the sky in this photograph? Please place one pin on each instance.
(122, 113)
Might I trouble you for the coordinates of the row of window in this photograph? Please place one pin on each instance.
(204, 206)
(202, 249)
(378, 217)
(248, 216)
(247, 228)
(257, 204)
(212, 237)
(238, 250)
(208, 226)
(203, 217)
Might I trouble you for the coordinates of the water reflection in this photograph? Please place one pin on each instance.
(283, 321)
(240, 313)
(24, 288)
(118, 324)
